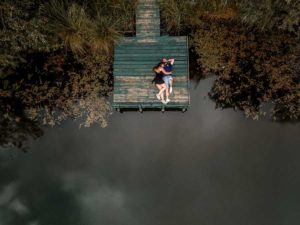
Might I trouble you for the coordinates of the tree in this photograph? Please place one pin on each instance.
(22, 29)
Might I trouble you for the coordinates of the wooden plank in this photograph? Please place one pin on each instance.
(151, 42)
(140, 70)
(146, 69)
(158, 51)
(151, 52)
(146, 82)
(137, 90)
(151, 47)
(147, 27)
(150, 73)
(156, 58)
(130, 73)
(142, 67)
(148, 14)
(135, 99)
(135, 57)
(163, 39)
(148, 33)
(146, 73)
(146, 53)
(141, 79)
(147, 6)
(145, 12)
(148, 98)
(145, 62)
(164, 49)
(144, 18)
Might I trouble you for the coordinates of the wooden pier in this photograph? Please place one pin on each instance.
(134, 58)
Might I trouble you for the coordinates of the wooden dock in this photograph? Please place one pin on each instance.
(134, 58)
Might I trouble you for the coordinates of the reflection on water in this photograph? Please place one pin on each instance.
(16, 128)
(205, 166)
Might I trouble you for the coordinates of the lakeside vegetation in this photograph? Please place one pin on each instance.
(56, 62)
(56, 57)
(253, 47)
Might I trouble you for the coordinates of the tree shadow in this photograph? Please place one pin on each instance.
(16, 129)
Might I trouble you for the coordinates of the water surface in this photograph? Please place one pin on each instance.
(203, 167)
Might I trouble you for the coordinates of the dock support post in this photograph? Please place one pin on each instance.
(183, 110)
(163, 109)
(140, 109)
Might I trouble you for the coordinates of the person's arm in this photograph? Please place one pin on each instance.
(171, 61)
(165, 72)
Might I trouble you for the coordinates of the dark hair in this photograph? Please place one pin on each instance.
(157, 66)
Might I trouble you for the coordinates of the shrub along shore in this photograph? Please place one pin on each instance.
(56, 57)
(252, 46)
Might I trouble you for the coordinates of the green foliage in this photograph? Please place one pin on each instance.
(264, 15)
(20, 32)
(208, 46)
(271, 14)
(175, 15)
(181, 16)
(213, 5)
(51, 85)
(254, 67)
(62, 87)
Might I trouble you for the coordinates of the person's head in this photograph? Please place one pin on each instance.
(159, 65)
(164, 60)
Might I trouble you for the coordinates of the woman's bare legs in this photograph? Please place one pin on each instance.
(161, 88)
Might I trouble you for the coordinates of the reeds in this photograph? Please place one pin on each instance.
(102, 34)
(93, 27)
(69, 23)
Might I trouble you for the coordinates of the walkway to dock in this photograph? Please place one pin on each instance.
(135, 56)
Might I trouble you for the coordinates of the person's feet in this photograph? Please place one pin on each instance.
(163, 102)
(168, 100)
(157, 96)
(171, 89)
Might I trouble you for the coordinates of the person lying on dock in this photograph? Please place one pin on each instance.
(160, 72)
(168, 78)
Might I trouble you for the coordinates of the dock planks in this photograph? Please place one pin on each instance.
(134, 58)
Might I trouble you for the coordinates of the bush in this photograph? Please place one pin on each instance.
(69, 88)
(20, 33)
(253, 67)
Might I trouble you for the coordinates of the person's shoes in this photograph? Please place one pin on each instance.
(168, 100)
(171, 89)
(157, 96)
(163, 102)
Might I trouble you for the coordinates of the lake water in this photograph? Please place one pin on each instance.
(202, 167)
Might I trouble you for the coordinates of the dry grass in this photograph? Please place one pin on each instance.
(69, 23)
(102, 35)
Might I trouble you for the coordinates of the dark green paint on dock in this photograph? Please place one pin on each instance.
(134, 58)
